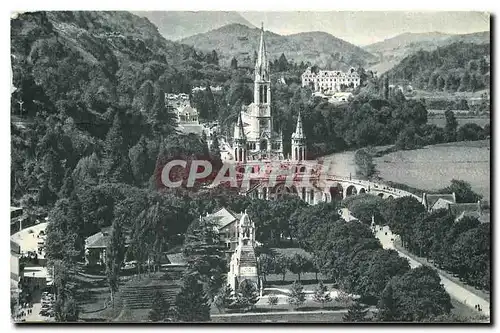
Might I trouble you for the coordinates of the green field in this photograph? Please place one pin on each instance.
(433, 167)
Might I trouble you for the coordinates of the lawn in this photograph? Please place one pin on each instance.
(433, 167)
(283, 318)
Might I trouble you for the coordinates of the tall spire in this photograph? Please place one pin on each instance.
(299, 133)
(239, 131)
(261, 66)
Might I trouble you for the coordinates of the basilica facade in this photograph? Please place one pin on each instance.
(255, 138)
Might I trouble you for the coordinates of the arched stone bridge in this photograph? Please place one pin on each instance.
(324, 190)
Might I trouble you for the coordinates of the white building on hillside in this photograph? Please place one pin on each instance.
(330, 81)
(187, 116)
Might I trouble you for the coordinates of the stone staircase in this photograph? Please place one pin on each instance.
(139, 294)
(247, 257)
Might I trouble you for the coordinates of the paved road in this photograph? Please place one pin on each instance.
(35, 316)
(275, 313)
(456, 291)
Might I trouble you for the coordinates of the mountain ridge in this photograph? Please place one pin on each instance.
(316, 47)
(176, 25)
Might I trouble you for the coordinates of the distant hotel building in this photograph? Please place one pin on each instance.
(330, 81)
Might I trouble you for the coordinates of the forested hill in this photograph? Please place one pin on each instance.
(91, 86)
(320, 48)
(456, 67)
(94, 61)
(391, 51)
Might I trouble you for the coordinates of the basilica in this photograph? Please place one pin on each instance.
(255, 138)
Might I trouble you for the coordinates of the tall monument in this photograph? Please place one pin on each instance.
(243, 264)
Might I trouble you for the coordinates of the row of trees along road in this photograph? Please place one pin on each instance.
(350, 256)
(461, 247)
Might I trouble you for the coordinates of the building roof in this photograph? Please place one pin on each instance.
(176, 259)
(191, 128)
(458, 208)
(430, 199)
(100, 240)
(441, 203)
(188, 110)
(224, 217)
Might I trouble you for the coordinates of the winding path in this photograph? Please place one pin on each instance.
(456, 291)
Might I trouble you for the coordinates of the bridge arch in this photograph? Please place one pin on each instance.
(282, 189)
(390, 197)
(351, 190)
(362, 190)
(381, 195)
(336, 192)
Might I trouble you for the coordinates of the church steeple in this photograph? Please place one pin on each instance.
(262, 65)
(299, 132)
(239, 132)
(262, 91)
(299, 142)
(240, 141)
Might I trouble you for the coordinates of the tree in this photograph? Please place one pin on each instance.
(282, 63)
(355, 314)
(463, 191)
(364, 163)
(387, 305)
(321, 294)
(160, 308)
(191, 303)
(414, 296)
(215, 146)
(386, 87)
(247, 294)
(451, 126)
(297, 296)
(140, 163)
(114, 258)
(86, 172)
(214, 59)
(281, 265)
(64, 234)
(116, 166)
(234, 63)
(66, 310)
(297, 264)
(401, 214)
(470, 132)
(205, 254)
(266, 265)
(225, 298)
(272, 301)
(408, 139)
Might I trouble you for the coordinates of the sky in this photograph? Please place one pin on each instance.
(363, 28)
